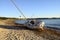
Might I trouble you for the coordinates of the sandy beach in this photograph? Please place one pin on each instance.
(10, 32)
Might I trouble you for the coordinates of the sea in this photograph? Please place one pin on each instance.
(52, 23)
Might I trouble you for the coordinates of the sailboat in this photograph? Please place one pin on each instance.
(32, 24)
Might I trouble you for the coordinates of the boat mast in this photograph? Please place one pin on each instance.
(18, 9)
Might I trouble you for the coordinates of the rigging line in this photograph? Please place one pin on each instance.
(18, 8)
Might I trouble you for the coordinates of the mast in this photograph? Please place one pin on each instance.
(18, 9)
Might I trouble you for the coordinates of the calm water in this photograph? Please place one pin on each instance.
(52, 22)
(48, 22)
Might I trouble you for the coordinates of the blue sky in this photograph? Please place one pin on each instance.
(30, 8)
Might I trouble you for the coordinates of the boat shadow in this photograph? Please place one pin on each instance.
(15, 27)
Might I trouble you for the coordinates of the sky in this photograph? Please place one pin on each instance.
(30, 8)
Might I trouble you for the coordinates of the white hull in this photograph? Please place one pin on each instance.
(35, 25)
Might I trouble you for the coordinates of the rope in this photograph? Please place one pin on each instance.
(18, 8)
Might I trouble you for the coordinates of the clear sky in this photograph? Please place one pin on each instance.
(30, 8)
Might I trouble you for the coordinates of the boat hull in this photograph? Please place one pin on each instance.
(32, 24)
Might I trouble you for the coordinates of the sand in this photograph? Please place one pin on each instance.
(9, 32)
